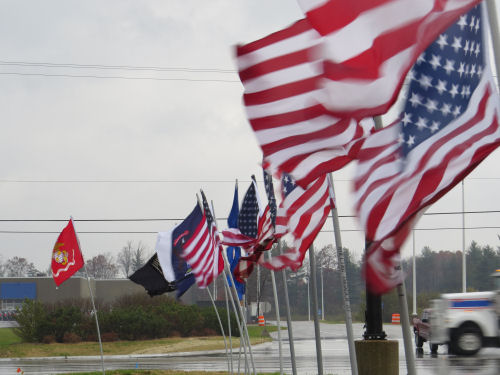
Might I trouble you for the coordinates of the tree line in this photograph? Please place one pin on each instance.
(102, 266)
(436, 272)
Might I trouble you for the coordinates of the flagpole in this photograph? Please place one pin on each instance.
(288, 317)
(495, 35)
(405, 326)
(343, 278)
(317, 333)
(244, 331)
(229, 327)
(92, 300)
(276, 307)
(227, 270)
(95, 314)
(229, 362)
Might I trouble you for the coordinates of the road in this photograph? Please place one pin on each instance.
(334, 348)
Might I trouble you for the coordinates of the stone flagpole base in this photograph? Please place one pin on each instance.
(377, 357)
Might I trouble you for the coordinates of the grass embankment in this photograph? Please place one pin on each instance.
(12, 347)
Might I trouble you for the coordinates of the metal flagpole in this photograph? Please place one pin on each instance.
(229, 362)
(229, 327)
(243, 338)
(93, 304)
(95, 314)
(288, 317)
(227, 270)
(322, 295)
(405, 326)
(495, 35)
(244, 331)
(464, 259)
(276, 307)
(414, 286)
(343, 279)
(317, 333)
(309, 294)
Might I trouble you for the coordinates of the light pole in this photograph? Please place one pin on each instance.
(308, 299)
(322, 296)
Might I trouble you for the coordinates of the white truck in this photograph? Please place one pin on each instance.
(466, 322)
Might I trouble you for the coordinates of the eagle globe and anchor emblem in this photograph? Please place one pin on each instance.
(62, 258)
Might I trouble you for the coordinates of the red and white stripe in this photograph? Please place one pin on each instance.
(203, 253)
(295, 132)
(389, 198)
(370, 45)
(301, 214)
(265, 232)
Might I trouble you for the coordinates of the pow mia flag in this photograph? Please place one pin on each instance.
(151, 277)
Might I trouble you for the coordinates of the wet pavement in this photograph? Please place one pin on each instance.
(266, 358)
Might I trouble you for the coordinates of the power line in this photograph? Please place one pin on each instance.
(116, 67)
(121, 181)
(153, 181)
(155, 232)
(219, 218)
(121, 77)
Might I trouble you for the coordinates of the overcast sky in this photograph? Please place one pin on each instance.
(140, 145)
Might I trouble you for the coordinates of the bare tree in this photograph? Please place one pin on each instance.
(139, 257)
(2, 266)
(102, 266)
(19, 267)
(125, 258)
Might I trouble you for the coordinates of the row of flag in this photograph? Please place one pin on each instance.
(311, 89)
(192, 252)
(310, 92)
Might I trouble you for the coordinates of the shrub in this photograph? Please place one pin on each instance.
(109, 336)
(48, 339)
(70, 337)
(30, 317)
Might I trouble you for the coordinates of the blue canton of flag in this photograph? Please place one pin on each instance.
(268, 183)
(287, 184)
(247, 218)
(442, 81)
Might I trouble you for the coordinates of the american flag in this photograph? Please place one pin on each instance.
(448, 126)
(301, 214)
(295, 133)
(200, 248)
(369, 46)
(218, 261)
(271, 199)
(255, 229)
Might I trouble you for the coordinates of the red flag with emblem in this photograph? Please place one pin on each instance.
(66, 256)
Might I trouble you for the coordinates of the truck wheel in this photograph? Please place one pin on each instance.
(467, 340)
(419, 341)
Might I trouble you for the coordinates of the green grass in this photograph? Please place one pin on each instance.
(158, 372)
(257, 331)
(8, 337)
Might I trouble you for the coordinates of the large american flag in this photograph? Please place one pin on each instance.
(255, 228)
(301, 214)
(296, 133)
(201, 249)
(369, 46)
(448, 126)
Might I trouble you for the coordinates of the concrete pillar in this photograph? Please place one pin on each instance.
(377, 357)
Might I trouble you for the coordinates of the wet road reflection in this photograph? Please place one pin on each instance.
(334, 347)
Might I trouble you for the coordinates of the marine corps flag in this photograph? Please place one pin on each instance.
(66, 256)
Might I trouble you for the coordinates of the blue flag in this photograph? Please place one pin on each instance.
(169, 247)
(234, 253)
